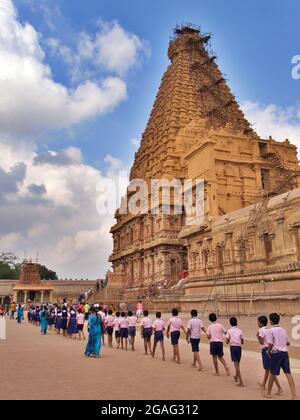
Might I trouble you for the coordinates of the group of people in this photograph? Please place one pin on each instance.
(122, 327)
(13, 310)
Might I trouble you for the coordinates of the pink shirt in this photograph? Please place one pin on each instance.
(80, 319)
(124, 323)
(117, 324)
(132, 321)
(158, 325)
(110, 320)
(194, 326)
(279, 338)
(139, 306)
(235, 336)
(146, 322)
(264, 333)
(216, 332)
(175, 324)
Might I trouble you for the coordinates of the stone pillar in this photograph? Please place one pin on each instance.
(25, 297)
(42, 296)
(15, 296)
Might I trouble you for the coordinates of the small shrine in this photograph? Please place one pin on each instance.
(30, 288)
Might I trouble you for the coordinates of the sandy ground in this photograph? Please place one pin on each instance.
(52, 367)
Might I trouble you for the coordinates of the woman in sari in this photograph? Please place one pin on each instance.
(19, 314)
(44, 317)
(96, 328)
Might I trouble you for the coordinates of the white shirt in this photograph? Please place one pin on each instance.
(194, 326)
(235, 336)
(264, 333)
(158, 325)
(279, 338)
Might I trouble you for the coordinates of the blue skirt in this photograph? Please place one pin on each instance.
(58, 323)
(72, 328)
(64, 322)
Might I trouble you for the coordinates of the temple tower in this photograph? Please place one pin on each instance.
(196, 130)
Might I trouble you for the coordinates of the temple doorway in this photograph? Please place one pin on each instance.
(6, 300)
(32, 296)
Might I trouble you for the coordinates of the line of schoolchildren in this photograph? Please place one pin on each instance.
(69, 321)
(274, 343)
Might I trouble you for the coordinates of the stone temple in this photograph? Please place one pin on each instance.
(245, 255)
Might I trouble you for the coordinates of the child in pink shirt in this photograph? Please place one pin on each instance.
(215, 333)
(146, 332)
(263, 339)
(132, 320)
(175, 325)
(124, 330)
(117, 329)
(109, 321)
(278, 351)
(158, 329)
(236, 340)
(194, 329)
(80, 324)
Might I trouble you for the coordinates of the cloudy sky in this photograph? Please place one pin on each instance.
(77, 82)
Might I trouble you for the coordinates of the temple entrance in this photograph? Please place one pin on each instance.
(32, 296)
(6, 300)
(21, 297)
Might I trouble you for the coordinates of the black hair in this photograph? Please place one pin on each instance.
(233, 321)
(275, 319)
(130, 313)
(158, 314)
(213, 317)
(146, 313)
(110, 312)
(194, 313)
(175, 312)
(118, 314)
(263, 320)
(123, 314)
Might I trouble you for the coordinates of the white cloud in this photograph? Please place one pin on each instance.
(62, 222)
(50, 200)
(274, 120)
(113, 48)
(31, 101)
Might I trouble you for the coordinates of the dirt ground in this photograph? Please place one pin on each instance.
(52, 367)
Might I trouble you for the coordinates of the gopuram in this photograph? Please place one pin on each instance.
(30, 289)
(244, 256)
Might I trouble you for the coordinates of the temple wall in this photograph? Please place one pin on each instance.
(265, 278)
(63, 289)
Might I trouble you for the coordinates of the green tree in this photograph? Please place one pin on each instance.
(47, 274)
(9, 267)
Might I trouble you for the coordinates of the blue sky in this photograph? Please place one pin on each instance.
(78, 80)
(255, 42)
